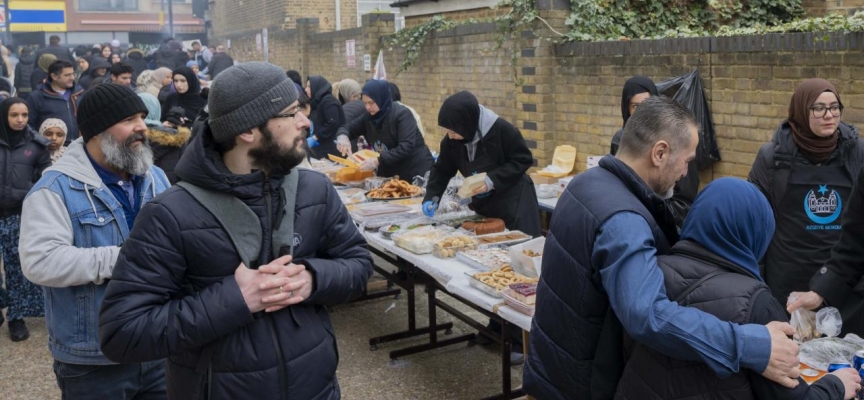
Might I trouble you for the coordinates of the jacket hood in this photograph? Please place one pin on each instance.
(202, 165)
(27, 59)
(732, 219)
(319, 88)
(96, 63)
(135, 54)
(167, 136)
(76, 165)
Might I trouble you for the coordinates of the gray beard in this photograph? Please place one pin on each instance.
(669, 193)
(121, 156)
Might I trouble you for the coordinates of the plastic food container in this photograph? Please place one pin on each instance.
(449, 246)
(420, 240)
(479, 285)
(528, 257)
(516, 304)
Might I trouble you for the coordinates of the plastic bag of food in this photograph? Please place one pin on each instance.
(804, 323)
(819, 353)
(829, 322)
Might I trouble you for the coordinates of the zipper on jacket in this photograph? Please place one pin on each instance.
(283, 369)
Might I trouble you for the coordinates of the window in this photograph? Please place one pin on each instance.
(107, 5)
(367, 6)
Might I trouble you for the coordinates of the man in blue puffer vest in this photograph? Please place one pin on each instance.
(600, 276)
(73, 223)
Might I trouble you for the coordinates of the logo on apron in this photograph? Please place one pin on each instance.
(823, 206)
(380, 147)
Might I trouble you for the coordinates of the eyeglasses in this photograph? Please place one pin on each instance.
(290, 114)
(820, 111)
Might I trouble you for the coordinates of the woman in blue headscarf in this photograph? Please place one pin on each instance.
(391, 130)
(715, 267)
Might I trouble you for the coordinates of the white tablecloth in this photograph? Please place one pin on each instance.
(450, 273)
(548, 204)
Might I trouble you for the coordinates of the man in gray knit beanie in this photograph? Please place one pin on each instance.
(226, 276)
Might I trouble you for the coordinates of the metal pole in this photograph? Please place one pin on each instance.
(171, 18)
(7, 37)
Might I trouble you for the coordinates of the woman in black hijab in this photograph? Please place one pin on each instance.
(636, 90)
(391, 130)
(187, 96)
(478, 141)
(23, 156)
(327, 116)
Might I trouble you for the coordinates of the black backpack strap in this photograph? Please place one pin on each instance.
(234, 216)
(781, 165)
(284, 235)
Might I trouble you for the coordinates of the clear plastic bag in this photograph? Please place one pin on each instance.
(804, 323)
(819, 353)
(829, 322)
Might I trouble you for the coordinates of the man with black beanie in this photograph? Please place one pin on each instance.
(228, 274)
(73, 223)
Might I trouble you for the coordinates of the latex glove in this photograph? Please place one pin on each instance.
(343, 145)
(311, 141)
(429, 208)
(806, 300)
(369, 164)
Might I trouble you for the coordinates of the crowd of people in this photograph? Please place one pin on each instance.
(129, 182)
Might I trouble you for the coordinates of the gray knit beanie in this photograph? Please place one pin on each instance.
(245, 96)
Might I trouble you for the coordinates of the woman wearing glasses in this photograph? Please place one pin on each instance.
(807, 172)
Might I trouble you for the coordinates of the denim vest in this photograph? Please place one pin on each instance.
(72, 313)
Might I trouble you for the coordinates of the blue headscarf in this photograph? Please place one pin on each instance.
(731, 218)
(379, 92)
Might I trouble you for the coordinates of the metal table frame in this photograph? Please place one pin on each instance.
(416, 275)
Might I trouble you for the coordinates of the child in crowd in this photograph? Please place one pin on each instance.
(55, 131)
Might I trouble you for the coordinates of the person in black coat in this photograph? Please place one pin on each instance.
(135, 58)
(187, 96)
(349, 96)
(391, 131)
(327, 116)
(715, 268)
(23, 156)
(220, 62)
(478, 141)
(167, 143)
(24, 71)
(98, 70)
(40, 73)
(179, 290)
(813, 158)
(839, 282)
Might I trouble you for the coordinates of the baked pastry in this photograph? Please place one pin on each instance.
(525, 293)
(484, 226)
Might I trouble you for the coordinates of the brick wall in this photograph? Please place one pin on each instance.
(570, 93)
(239, 16)
(818, 8)
(461, 16)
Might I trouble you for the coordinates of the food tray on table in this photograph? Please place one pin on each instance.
(516, 304)
(486, 259)
(420, 240)
(374, 210)
(483, 287)
(528, 257)
(394, 189)
(504, 238)
(449, 246)
(388, 230)
(351, 196)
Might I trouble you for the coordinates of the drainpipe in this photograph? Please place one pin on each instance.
(338, 15)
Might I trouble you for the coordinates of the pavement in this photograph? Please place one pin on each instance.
(460, 371)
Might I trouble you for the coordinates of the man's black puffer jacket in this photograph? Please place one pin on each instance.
(173, 293)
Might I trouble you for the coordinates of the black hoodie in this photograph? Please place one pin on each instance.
(135, 58)
(24, 71)
(327, 116)
(173, 293)
(87, 79)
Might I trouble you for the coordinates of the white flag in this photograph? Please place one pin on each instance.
(380, 73)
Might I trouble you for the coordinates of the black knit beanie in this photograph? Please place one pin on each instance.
(105, 105)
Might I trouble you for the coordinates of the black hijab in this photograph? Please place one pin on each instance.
(319, 88)
(10, 136)
(634, 86)
(460, 113)
(191, 101)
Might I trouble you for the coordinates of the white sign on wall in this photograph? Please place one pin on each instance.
(350, 55)
(367, 62)
(258, 44)
(266, 45)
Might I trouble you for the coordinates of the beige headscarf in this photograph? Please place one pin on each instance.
(45, 61)
(348, 88)
(161, 74)
(147, 83)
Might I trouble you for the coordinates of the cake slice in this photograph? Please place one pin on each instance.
(525, 293)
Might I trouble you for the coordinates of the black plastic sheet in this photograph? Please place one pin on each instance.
(690, 92)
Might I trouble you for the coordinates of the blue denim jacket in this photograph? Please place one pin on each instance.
(70, 195)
